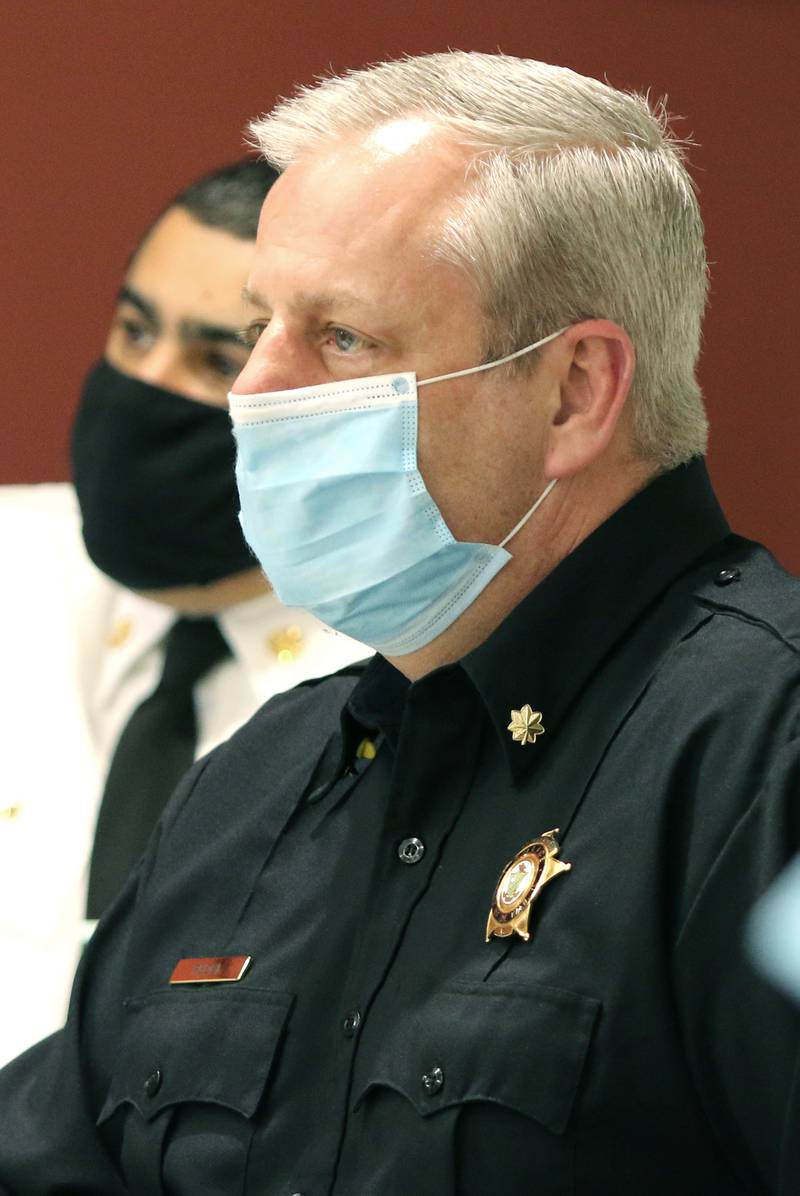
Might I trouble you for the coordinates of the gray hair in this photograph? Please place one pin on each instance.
(578, 206)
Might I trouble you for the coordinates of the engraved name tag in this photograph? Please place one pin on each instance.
(213, 970)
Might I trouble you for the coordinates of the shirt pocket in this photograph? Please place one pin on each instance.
(192, 1069)
(487, 1079)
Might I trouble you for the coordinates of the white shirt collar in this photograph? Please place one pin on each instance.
(277, 646)
(281, 646)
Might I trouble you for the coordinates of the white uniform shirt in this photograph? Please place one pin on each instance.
(78, 653)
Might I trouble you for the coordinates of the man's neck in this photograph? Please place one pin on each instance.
(214, 597)
(576, 508)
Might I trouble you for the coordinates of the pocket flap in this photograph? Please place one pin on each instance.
(212, 1045)
(524, 1049)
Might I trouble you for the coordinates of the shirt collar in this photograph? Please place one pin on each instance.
(264, 637)
(546, 650)
(275, 647)
(135, 626)
(280, 646)
(377, 702)
(265, 634)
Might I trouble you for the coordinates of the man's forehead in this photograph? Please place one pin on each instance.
(395, 138)
(400, 141)
(402, 170)
(178, 236)
(189, 270)
(359, 217)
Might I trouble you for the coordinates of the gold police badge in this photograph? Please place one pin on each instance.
(520, 883)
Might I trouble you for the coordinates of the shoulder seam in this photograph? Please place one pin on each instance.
(742, 616)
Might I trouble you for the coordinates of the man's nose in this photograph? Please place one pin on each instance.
(280, 360)
(163, 366)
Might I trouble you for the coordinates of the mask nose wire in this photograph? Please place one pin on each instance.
(490, 365)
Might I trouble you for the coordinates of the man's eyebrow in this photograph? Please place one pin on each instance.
(324, 301)
(320, 301)
(190, 330)
(252, 298)
(196, 330)
(127, 294)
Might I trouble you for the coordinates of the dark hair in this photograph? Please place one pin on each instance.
(229, 198)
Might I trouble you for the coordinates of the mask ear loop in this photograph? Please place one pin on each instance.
(489, 365)
(532, 511)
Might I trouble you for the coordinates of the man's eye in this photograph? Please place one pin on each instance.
(249, 335)
(135, 334)
(346, 341)
(224, 366)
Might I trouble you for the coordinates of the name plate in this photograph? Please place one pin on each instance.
(215, 969)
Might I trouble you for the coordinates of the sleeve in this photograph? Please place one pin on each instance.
(51, 1095)
(742, 1036)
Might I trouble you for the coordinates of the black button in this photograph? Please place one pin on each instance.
(726, 576)
(351, 1022)
(411, 851)
(153, 1082)
(432, 1081)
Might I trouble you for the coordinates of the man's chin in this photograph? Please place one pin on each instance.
(213, 597)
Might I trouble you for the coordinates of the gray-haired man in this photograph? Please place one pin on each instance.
(470, 924)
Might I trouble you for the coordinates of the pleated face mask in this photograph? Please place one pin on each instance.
(153, 472)
(338, 514)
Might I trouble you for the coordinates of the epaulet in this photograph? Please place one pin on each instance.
(747, 580)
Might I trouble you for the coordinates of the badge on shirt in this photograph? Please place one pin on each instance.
(520, 883)
(213, 969)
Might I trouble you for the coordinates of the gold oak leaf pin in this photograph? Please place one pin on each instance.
(520, 883)
(525, 725)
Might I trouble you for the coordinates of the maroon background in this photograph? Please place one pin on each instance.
(111, 107)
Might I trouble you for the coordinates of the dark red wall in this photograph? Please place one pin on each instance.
(109, 107)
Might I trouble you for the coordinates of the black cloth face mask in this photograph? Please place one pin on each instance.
(154, 475)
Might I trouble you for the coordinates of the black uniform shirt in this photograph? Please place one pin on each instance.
(378, 1044)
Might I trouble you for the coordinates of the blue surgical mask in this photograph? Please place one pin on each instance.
(338, 514)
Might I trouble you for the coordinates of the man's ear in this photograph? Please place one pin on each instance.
(596, 359)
